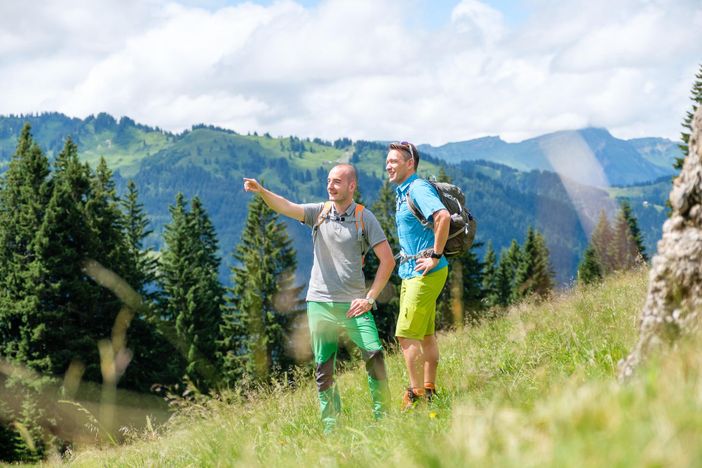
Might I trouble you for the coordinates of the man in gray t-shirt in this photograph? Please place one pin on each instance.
(337, 299)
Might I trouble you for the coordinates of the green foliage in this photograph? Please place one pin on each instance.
(490, 283)
(634, 231)
(534, 274)
(533, 388)
(263, 302)
(191, 306)
(618, 247)
(696, 97)
(590, 270)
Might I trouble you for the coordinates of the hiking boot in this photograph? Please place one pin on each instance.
(411, 397)
(430, 391)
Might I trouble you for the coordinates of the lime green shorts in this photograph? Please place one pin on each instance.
(418, 305)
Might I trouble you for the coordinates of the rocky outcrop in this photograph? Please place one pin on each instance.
(674, 303)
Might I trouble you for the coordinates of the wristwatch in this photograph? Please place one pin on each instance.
(371, 301)
(435, 255)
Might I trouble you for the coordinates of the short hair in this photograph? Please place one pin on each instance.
(408, 151)
(352, 169)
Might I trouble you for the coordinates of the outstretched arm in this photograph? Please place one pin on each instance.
(274, 201)
(387, 264)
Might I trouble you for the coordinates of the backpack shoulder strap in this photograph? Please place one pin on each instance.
(413, 208)
(324, 214)
(361, 233)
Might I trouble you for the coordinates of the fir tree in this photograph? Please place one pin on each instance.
(263, 300)
(589, 270)
(696, 97)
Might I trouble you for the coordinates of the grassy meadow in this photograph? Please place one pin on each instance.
(534, 387)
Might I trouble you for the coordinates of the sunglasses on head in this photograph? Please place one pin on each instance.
(405, 146)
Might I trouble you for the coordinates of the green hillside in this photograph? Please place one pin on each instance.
(536, 387)
(209, 162)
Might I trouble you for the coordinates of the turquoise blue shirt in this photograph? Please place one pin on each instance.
(412, 235)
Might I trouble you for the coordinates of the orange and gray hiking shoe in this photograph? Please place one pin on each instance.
(411, 397)
(429, 391)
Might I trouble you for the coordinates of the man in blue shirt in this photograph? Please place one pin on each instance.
(423, 270)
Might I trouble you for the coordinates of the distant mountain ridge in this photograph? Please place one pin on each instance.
(209, 162)
(590, 156)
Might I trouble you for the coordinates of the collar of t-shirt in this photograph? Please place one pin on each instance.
(404, 186)
(349, 211)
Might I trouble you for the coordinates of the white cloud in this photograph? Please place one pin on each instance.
(357, 68)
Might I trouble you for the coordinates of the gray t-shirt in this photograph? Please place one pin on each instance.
(337, 274)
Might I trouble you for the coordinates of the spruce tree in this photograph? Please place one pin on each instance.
(627, 213)
(192, 301)
(525, 281)
(67, 321)
(141, 264)
(543, 272)
(24, 194)
(263, 300)
(471, 276)
(696, 97)
(489, 283)
(589, 270)
(512, 260)
(505, 278)
(145, 338)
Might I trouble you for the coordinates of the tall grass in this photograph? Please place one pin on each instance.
(536, 387)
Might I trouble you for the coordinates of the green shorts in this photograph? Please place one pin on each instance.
(418, 305)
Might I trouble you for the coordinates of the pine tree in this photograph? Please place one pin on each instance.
(192, 295)
(696, 98)
(525, 282)
(263, 300)
(589, 270)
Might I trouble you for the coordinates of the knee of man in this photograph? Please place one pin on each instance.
(324, 374)
(375, 364)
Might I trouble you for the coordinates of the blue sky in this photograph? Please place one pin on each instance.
(427, 71)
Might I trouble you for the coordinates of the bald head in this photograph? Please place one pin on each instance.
(346, 170)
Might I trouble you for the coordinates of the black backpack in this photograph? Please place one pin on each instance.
(463, 224)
